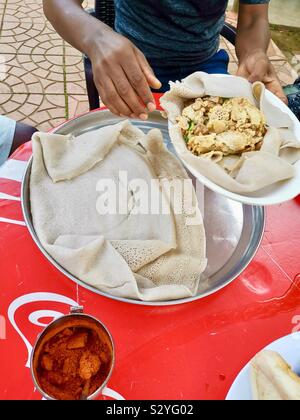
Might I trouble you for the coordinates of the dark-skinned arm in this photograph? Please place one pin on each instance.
(253, 38)
(121, 72)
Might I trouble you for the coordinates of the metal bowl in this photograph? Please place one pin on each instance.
(234, 231)
(76, 314)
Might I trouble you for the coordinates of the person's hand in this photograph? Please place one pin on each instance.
(257, 67)
(123, 76)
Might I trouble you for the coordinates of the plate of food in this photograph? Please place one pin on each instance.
(238, 139)
(62, 214)
(273, 374)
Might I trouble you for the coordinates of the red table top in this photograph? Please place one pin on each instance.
(190, 351)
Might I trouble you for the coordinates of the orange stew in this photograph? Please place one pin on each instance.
(73, 364)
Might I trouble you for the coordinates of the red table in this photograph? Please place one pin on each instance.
(191, 351)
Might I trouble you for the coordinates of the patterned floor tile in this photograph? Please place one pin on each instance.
(77, 105)
(38, 110)
(287, 75)
(75, 78)
(30, 39)
(274, 53)
(74, 68)
(71, 51)
(32, 74)
(24, 11)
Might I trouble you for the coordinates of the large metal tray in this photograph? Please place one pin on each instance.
(234, 231)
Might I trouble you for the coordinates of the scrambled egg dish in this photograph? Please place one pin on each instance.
(214, 126)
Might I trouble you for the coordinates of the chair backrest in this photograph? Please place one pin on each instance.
(105, 11)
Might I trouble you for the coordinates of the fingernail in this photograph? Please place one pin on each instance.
(133, 116)
(143, 117)
(123, 116)
(158, 83)
(151, 107)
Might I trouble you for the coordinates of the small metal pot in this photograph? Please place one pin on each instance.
(76, 313)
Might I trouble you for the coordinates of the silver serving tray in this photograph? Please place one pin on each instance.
(234, 231)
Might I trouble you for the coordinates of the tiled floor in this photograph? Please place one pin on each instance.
(42, 82)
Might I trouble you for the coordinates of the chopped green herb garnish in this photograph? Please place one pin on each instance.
(191, 125)
(186, 138)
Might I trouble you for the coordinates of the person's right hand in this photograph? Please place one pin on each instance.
(123, 76)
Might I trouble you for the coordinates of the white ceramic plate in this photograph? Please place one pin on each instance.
(288, 347)
(276, 193)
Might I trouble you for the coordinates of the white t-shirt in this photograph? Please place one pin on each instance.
(7, 131)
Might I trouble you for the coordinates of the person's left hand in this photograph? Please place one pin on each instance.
(255, 67)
